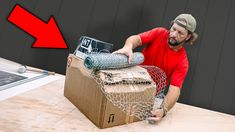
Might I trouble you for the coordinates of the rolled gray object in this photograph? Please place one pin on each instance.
(101, 61)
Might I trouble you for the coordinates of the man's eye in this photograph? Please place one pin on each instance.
(181, 33)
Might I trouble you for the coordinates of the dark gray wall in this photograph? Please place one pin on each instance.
(209, 80)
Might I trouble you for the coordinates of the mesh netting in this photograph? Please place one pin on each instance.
(111, 61)
(159, 77)
(132, 89)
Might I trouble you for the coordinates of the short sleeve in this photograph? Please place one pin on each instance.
(150, 36)
(179, 74)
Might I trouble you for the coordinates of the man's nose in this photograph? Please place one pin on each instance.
(174, 33)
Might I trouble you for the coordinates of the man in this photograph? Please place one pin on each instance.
(164, 49)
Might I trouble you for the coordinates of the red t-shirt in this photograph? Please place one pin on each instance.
(158, 53)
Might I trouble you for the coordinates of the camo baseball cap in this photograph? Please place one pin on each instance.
(187, 21)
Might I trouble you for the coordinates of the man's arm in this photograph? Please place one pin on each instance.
(171, 97)
(131, 43)
(169, 101)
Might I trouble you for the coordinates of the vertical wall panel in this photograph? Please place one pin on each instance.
(152, 14)
(73, 20)
(103, 19)
(13, 38)
(224, 89)
(127, 21)
(4, 12)
(35, 56)
(233, 105)
(198, 8)
(205, 73)
(174, 8)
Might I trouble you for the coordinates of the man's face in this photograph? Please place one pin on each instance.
(177, 35)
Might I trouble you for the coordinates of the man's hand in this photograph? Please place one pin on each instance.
(126, 51)
(131, 43)
(169, 101)
(157, 116)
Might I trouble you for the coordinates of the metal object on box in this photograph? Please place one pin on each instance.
(87, 45)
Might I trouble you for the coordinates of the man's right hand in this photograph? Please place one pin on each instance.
(126, 51)
(131, 42)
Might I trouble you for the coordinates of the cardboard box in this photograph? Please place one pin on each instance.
(84, 92)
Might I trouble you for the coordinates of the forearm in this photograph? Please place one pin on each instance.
(169, 101)
(132, 42)
(171, 97)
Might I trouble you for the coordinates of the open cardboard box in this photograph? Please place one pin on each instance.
(85, 93)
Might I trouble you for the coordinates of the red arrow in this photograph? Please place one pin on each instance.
(47, 34)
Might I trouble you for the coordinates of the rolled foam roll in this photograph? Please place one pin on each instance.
(101, 61)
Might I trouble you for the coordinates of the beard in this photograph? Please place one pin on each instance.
(175, 42)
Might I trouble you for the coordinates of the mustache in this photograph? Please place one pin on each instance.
(172, 38)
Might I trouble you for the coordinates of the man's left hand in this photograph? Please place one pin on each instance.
(157, 115)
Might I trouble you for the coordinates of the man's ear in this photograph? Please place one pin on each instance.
(189, 36)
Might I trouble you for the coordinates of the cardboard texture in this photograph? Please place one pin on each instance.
(85, 93)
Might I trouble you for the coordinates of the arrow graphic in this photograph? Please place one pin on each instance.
(47, 34)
